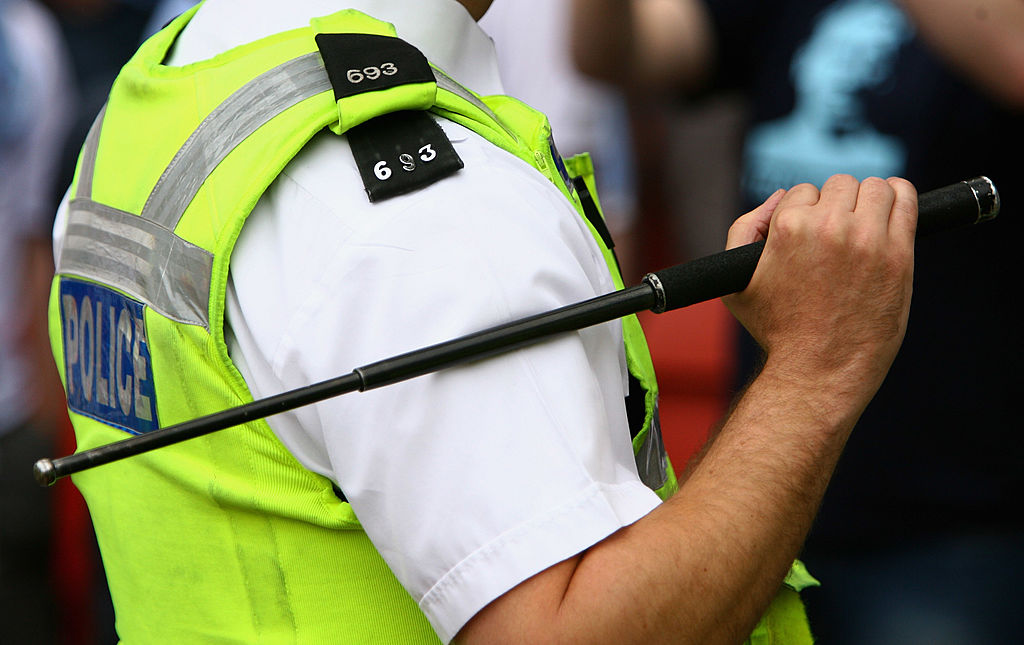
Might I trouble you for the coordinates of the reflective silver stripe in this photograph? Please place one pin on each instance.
(139, 257)
(241, 114)
(88, 168)
(651, 458)
(446, 82)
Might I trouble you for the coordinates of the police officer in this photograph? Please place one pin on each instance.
(276, 192)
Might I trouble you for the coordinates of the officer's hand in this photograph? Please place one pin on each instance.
(830, 298)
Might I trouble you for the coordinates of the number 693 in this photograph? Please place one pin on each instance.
(371, 73)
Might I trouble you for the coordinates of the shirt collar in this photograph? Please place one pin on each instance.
(442, 29)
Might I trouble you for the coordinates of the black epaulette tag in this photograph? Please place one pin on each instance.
(401, 152)
(358, 63)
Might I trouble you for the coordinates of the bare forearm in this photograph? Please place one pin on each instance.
(726, 540)
(984, 39)
(829, 303)
(642, 45)
(702, 567)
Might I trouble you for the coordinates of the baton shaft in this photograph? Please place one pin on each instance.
(475, 346)
(714, 276)
(508, 336)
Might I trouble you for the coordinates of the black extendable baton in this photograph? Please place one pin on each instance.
(965, 203)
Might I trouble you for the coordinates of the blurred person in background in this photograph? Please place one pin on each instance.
(97, 37)
(919, 539)
(35, 97)
(164, 12)
(534, 58)
(101, 36)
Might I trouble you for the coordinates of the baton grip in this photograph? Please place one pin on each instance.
(720, 274)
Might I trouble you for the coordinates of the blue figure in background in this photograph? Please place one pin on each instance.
(851, 49)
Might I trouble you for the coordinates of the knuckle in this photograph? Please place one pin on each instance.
(878, 186)
(787, 221)
(805, 187)
(863, 243)
(900, 182)
(843, 179)
(806, 193)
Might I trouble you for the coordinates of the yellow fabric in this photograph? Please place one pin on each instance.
(228, 533)
(785, 622)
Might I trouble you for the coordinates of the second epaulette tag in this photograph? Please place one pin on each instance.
(401, 152)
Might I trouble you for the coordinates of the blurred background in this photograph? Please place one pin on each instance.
(57, 61)
(920, 537)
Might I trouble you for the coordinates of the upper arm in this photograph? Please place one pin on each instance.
(526, 613)
(643, 44)
(470, 480)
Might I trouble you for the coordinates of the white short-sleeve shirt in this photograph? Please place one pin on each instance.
(470, 480)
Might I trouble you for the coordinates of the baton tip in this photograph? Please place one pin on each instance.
(45, 472)
(987, 196)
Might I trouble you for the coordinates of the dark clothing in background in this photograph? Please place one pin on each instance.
(939, 446)
(848, 87)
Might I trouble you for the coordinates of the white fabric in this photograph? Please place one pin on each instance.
(534, 58)
(471, 480)
(28, 165)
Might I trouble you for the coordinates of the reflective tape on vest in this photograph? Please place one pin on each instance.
(241, 114)
(140, 258)
(141, 255)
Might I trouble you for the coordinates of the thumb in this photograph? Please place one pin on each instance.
(753, 226)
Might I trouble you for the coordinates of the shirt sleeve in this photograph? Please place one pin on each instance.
(472, 479)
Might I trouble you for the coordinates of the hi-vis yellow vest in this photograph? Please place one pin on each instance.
(227, 538)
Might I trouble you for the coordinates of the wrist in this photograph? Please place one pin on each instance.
(828, 399)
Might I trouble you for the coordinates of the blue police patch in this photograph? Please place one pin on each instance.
(108, 372)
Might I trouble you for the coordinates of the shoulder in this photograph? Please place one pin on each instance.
(496, 203)
(496, 239)
(326, 168)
